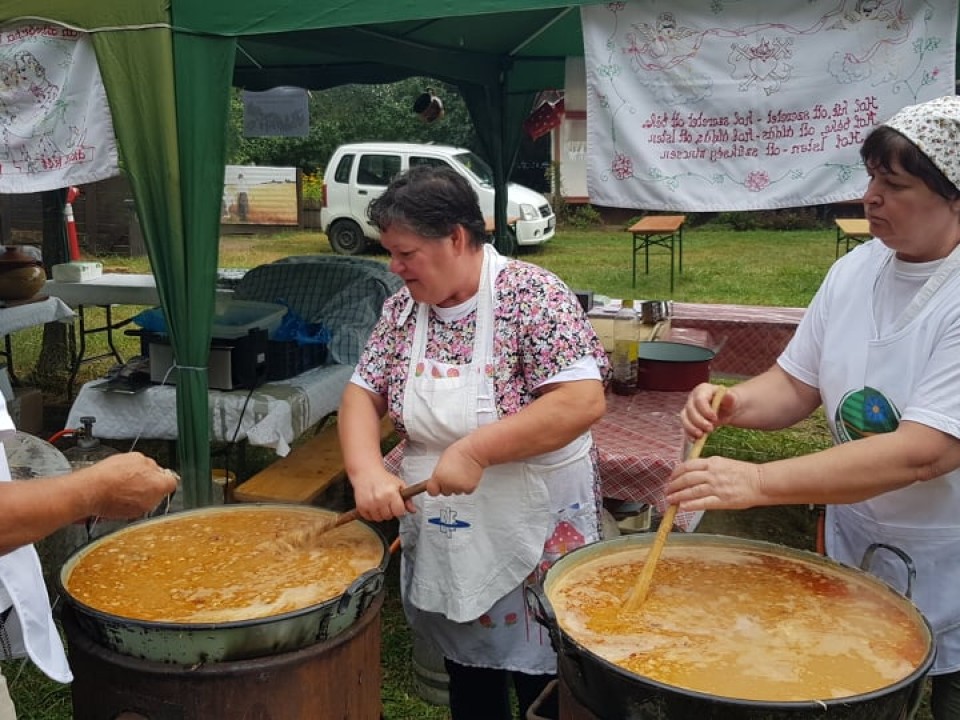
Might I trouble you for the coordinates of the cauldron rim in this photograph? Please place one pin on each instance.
(65, 593)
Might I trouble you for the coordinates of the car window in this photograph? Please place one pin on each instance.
(377, 169)
(476, 166)
(342, 173)
(416, 160)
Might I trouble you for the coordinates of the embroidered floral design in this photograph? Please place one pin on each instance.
(622, 167)
(757, 180)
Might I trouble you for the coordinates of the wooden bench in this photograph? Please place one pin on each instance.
(855, 230)
(305, 473)
(490, 224)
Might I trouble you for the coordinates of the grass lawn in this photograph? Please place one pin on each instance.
(779, 268)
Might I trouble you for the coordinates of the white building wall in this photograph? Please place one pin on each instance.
(569, 141)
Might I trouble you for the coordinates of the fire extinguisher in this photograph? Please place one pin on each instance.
(73, 242)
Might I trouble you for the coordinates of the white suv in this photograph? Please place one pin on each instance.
(359, 172)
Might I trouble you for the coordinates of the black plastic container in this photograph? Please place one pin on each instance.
(287, 358)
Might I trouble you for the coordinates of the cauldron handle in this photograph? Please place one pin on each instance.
(543, 613)
(541, 609)
(568, 655)
(369, 583)
(907, 560)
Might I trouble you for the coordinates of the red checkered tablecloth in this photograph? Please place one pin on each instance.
(748, 338)
(639, 441)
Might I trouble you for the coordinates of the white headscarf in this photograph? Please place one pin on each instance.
(934, 127)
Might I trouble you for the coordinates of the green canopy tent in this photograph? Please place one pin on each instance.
(168, 66)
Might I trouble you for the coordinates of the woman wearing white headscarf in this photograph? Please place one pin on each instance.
(879, 349)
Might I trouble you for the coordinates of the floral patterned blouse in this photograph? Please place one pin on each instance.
(540, 329)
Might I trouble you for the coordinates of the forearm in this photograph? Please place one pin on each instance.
(560, 415)
(858, 470)
(35, 508)
(358, 426)
(772, 400)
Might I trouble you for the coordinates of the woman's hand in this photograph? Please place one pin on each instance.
(377, 496)
(715, 483)
(698, 416)
(457, 472)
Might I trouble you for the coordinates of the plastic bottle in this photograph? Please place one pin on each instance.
(626, 331)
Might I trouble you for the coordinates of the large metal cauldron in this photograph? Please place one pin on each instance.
(610, 691)
(193, 644)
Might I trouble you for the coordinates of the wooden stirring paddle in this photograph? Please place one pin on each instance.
(638, 593)
(305, 535)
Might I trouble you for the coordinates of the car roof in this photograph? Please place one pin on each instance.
(401, 147)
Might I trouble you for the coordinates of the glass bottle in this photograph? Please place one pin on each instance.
(626, 332)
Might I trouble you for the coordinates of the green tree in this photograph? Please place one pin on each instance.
(355, 113)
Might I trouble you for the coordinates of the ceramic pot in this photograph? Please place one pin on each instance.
(21, 275)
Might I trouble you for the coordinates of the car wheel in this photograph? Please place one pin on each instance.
(346, 238)
(507, 245)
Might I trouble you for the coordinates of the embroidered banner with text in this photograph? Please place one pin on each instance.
(740, 105)
(55, 125)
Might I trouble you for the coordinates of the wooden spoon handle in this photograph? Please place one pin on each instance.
(303, 536)
(640, 590)
(408, 492)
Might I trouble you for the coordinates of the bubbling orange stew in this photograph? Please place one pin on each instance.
(743, 624)
(220, 566)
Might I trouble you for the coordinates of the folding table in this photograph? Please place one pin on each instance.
(663, 230)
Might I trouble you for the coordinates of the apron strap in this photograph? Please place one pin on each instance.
(947, 268)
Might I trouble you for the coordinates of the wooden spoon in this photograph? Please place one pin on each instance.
(639, 592)
(306, 535)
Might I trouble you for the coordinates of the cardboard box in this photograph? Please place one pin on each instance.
(26, 409)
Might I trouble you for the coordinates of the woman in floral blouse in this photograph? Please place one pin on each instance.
(493, 374)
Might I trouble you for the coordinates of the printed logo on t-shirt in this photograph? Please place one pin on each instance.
(863, 413)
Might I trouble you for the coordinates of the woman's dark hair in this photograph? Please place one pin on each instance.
(430, 201)
(884, 146)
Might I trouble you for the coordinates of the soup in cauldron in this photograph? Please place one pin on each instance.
(743, 624)
(221, 566)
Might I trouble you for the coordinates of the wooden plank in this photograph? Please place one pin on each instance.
(854, 227)
(305, 473)
(658, 224)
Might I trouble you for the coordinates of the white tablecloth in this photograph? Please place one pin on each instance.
(275, 415)
(21, 317)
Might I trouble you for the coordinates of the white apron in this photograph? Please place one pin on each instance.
(465, 557)
(921, 519)
(29, 628)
